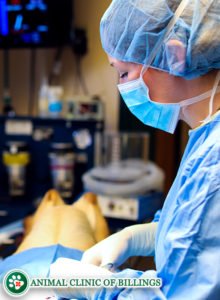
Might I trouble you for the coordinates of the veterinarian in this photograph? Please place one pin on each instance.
(167, 53)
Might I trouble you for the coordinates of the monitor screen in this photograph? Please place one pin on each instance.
(35, 23)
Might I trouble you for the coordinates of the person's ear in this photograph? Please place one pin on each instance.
(176, 56)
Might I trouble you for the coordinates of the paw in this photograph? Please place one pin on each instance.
(16, 282)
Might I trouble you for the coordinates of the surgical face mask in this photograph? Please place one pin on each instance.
(163, 116)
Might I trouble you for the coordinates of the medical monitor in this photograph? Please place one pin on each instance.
(35, 23)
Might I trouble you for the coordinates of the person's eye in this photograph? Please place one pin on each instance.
(124, 75)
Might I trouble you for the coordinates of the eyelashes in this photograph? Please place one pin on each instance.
(124, 75)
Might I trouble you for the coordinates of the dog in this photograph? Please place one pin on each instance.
(79, 226)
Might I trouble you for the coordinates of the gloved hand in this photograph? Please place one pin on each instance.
(72, 270)
(116, 249)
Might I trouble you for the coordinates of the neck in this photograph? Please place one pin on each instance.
(195, 113)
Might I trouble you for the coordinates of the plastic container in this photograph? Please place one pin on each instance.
(16, 158)
(55, 101)
(62, 161)
(43, 100)
(127, 145)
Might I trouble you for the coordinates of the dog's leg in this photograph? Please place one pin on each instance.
(51, 199)
(89, 205)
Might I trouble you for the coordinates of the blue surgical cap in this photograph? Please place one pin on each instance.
(131, 30)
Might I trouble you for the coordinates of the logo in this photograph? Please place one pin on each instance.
(16, 283)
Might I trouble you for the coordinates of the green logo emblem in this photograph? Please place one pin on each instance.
(16, 283)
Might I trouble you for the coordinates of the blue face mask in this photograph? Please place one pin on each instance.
(163, 116)
(136, 96)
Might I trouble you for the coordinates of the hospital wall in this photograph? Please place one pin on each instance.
(99, 77)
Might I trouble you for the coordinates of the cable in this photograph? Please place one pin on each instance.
(56, 68)
(79, 45)
(7, 108)
(32, 81)
(6, 69)
(79, 75)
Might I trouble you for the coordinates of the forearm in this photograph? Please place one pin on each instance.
(142, 239)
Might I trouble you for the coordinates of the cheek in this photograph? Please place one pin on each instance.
(163, 88)
(157, 86)
(132, 75)
(136, 72)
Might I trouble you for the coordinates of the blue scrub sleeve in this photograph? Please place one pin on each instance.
(131, 293)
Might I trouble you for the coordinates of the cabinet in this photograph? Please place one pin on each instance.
(39, 134)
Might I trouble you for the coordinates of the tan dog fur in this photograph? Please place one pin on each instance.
(78, 226)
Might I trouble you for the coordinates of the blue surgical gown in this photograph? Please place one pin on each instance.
(187, 248)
